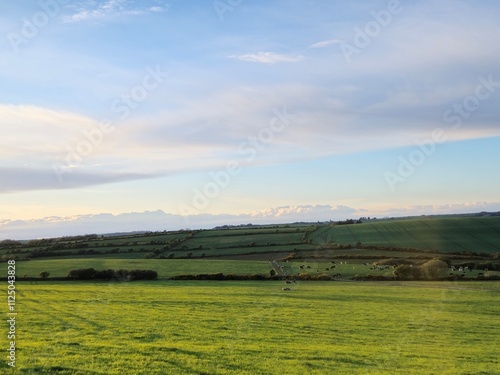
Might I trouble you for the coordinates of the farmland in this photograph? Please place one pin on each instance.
(462, 234)
(247, 250)
(196, 327)
(254, 327)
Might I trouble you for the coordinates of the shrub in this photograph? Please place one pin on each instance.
(407, 272)
(82, 274)
(105, 274)
(143, 275)
(92, 274)
(434, 269)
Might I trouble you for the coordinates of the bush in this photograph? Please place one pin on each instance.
(82, 274)
(143, 275)
(304, 276)
(105, 274)
(109, 274)
(434, 269)
(407, 272)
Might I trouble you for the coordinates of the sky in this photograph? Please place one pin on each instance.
(248, 109)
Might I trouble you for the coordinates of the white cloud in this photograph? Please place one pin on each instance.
(159, 220)
(109, 8)
(267, 57)
(325, 43)
(438, 209)
(157, 9)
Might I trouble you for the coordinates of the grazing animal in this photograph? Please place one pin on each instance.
(285, 288)
(288, 282)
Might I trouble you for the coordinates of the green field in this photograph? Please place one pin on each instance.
(246, 250)
(441, 235)
(474, 234)
(167, 327)
(164, 267)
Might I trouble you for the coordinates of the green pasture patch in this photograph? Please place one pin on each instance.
(252, 328)
(164, 267)
(463, 234)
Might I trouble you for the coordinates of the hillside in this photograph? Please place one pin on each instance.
(445, 235)
(247, 250)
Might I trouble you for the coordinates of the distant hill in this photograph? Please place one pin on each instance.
(458, 234)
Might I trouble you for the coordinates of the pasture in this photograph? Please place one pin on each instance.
(196, 327)
(164, 267)
(464, 238)
(449, 234)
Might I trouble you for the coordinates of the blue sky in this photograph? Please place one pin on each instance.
(312, 103)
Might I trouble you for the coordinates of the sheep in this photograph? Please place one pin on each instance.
(285, 288)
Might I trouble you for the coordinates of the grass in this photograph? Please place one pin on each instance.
(436, 236)
(164, 267)
(172, 267)
(474, 234)
(255, 328)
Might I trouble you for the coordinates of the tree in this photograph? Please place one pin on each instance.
(82, 274)
(44, 274)
(407, 271)
(434, 269)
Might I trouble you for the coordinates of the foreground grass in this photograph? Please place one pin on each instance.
(256, 328)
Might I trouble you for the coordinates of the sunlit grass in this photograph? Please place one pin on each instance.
(256, 328)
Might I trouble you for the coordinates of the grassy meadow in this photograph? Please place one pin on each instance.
(455, 234)
(209, 327)
(254, 327)
(164, 267)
